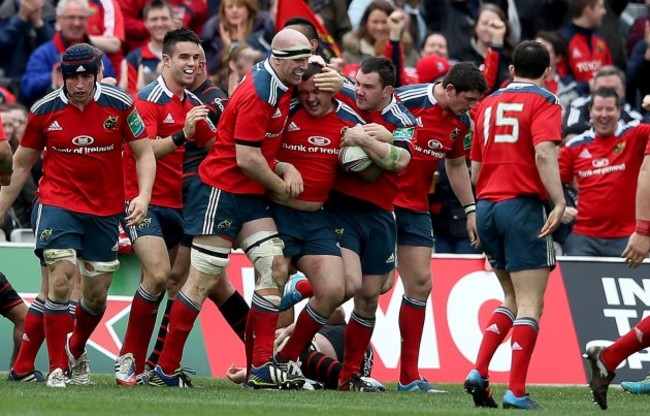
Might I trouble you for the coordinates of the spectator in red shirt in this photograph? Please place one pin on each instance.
(587, 52)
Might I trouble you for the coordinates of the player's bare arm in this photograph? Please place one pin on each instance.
(145, 166)
(165, 145)
(385, 155)
(549, 172)
(638, 245)
(252, 162)
(462, 187)
(475, 168)
(23, 160)
(5, 163)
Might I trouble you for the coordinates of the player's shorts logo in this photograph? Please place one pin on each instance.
(46, 234)
(83, 140)
(338, 232)
(111, 122)
(145, 223)
(224, 225)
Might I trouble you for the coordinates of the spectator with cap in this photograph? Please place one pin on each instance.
(42, 66)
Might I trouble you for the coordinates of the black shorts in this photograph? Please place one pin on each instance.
(9, 299)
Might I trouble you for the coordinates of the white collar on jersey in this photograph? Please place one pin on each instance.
(392, 104)
(274, 75)
(98, 93)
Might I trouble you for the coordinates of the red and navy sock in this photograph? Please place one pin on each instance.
(411, 324)
(263, 319)
(181, 320)
(142, 319)
(524, 337)
(357, 338)
(84, 325)
(496, 331)
(635, 340)
(32, 339)
(308, 324)
(57, 324)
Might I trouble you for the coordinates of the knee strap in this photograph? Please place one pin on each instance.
(261, 247)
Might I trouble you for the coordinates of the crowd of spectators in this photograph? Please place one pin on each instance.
(593, 44)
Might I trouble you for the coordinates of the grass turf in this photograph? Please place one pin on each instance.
(221, 397)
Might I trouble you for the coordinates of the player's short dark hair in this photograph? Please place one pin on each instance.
(556, 39)
(465, 76)
(382, 66)
(155, 5)
(605, 92)
(310, 30)
(576, 7)
(530, 59)
(312, 69)
(175, 36)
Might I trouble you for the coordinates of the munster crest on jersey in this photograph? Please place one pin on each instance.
(110, 123)
(619, 147)
(454, 133)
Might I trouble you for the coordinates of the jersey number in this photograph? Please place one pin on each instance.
(501, 120)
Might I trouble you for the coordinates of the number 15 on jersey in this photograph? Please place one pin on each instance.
(506, 124)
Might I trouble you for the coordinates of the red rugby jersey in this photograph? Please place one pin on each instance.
(607, 171)
(84, 149)
(509, 124)
(255, 116)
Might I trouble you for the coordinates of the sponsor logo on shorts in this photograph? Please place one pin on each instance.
(224, 225)
(46, 234)
(338, 232)
(145, 223)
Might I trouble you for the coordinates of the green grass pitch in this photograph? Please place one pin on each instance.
(219, 397)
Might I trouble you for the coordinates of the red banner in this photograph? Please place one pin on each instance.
(298, 8)
(464, 296)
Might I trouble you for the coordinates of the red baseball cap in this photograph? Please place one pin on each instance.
(431, 68)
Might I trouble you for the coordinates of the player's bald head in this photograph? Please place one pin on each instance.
(290, 44)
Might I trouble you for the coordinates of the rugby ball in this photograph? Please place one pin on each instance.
(354, 159)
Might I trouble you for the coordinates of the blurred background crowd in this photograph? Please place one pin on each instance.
(592, 43)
